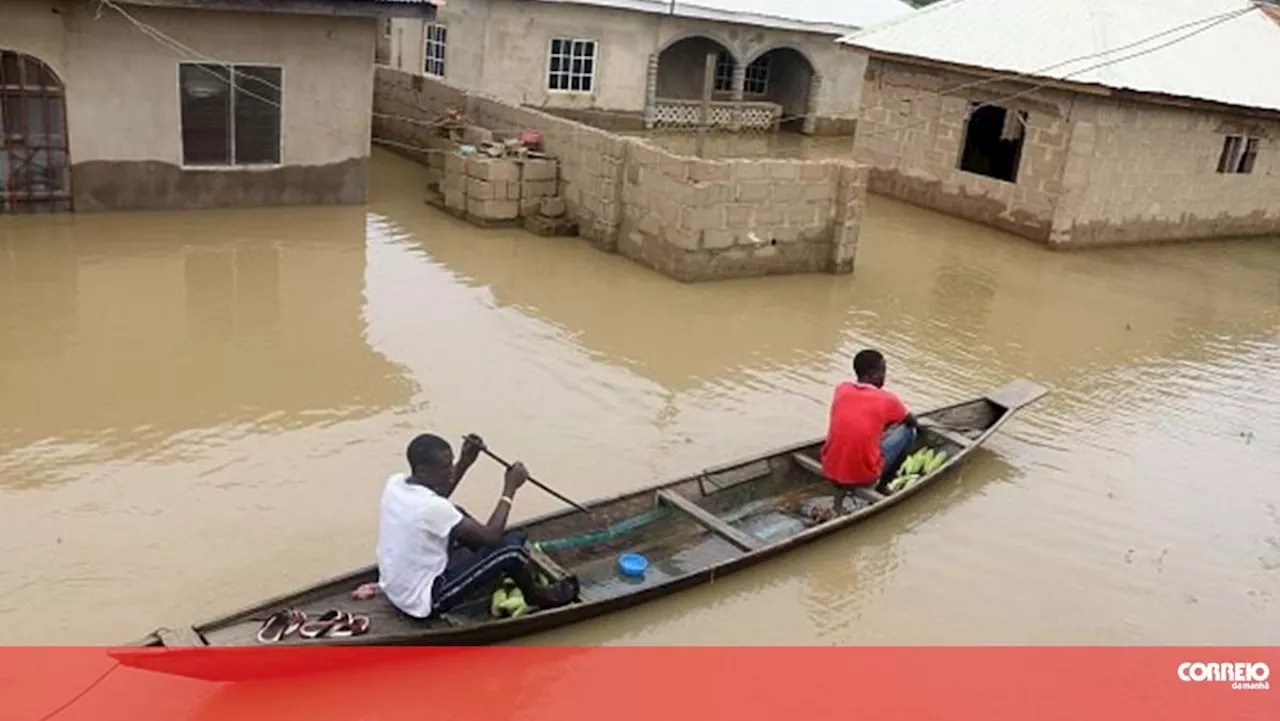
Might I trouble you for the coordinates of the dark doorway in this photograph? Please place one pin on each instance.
(993, 142)
(33, 137)
(783, 76)
(682, 65)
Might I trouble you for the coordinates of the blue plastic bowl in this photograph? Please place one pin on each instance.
(632, 564)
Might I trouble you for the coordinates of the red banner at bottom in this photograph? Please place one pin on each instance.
(624, 683)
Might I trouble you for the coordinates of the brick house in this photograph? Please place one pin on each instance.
(1111, 124)
(128, 104)
(630, 64)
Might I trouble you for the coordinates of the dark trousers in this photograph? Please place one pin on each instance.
(472, 571)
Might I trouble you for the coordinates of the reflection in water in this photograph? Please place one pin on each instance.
(199, 410)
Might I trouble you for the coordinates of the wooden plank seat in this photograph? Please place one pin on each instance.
(809, 464)
(949, 435)
(731, 534)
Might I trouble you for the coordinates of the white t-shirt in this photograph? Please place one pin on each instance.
(413, 543)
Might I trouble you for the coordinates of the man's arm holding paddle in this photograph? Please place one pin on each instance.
(470, 532)
(471, 447)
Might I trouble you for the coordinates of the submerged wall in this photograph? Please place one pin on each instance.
(123, 115)
(912, 135)
(691, 218)
(1139, 173)
(1093, 169)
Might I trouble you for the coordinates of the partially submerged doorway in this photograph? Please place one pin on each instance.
(34, 175)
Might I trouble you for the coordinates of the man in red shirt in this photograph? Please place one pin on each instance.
(869, 432)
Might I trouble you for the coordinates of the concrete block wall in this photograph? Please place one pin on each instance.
(912, 136)
(1142, 172)
(690, 218)
(694, 218)
(491, 191)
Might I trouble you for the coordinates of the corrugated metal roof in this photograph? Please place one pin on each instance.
(836, 17)
(1226, 63)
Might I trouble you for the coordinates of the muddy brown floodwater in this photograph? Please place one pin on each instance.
(198, 410)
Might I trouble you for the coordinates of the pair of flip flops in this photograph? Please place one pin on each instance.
(331, 624)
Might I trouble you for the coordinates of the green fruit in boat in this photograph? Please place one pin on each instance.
(901, 482)
(496, 603)
(935, 461)
(910, 465)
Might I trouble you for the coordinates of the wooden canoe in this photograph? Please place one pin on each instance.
(692, 530)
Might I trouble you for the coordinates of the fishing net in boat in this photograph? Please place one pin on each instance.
(605, 534)
(633, 523)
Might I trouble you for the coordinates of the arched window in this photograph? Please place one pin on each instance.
(34, 162)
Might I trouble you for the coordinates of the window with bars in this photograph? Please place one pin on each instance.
(756, 77)
(230, 122)
(724, 72)
(436, 38)
(34, 161)
(1239, 154)
(572, 65)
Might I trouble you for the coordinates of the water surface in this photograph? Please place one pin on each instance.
(198, 410)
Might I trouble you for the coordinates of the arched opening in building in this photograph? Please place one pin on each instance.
(783, 76)
(34, 162)
(682, 66)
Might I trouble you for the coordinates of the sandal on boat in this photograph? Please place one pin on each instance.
(296, 620)
(321, 626)
(353, 626)
(277, 626)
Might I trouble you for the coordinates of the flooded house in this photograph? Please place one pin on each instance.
(1079, 123)
(165, 104)
(633, 64)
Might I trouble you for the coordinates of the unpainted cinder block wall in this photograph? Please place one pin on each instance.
(912, 136)
(1138, 172)
(690, 218)
(694, 218)
(1094, 170)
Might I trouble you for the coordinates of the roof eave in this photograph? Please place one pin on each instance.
(1073, 86)
(692, 10)
(346, 8)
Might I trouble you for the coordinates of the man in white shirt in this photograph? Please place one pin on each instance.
(432, 555)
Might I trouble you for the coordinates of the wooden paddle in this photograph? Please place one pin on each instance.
(540, 484)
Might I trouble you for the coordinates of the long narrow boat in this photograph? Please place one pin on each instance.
(691, 530)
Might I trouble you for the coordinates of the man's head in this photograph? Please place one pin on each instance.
(869, 366)
(430, 458)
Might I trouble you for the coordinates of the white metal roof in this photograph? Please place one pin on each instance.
(835, 17)
(1228, 63)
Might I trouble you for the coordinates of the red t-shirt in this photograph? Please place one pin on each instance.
(859, 415)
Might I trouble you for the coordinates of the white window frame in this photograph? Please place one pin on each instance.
(574, 45)
(761, 67)
(724, 72)
(1231, 158)
(232, 167)
(434, 35)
